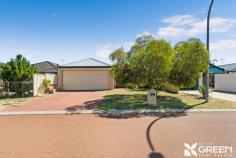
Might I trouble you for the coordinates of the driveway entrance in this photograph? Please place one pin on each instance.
(70, 101)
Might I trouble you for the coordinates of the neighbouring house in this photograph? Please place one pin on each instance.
(47, 71)
(226, 82)
(87, 74)
(229, 68)
(213, 70)
(47, 67)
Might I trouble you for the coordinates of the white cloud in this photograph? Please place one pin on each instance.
(188, 26)
(142, 34)
(170, 31)
(103, 51)
(223, 51)
(179, 20)
(28, 54)
(223, 45)
(127, 45)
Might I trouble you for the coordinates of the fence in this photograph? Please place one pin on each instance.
(16, 89)
(225, 82)
(38, 82)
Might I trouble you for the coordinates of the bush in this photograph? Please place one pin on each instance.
(202, 90)
(46, 83)
(170, 88)
(18, 70)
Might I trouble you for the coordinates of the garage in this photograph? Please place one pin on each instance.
(88, 74)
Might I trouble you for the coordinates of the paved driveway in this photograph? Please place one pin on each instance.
(88, 136)
(216, 94)
(62, 101)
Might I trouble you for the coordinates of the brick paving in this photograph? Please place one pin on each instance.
(70, 101)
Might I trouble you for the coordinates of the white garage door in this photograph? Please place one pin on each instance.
(85, 80)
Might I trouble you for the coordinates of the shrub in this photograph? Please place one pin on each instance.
(18, 70)
(202, 90)
(170, 88)
(191, 59)
(46, 83)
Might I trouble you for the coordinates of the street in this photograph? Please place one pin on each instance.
(90, 136)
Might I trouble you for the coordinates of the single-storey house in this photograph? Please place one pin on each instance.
(226, 82)
(213, 70)
(87, 74)
(47, 67)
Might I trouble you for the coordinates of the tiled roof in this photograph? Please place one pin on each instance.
(90, 62)
(229, 67)
(46, 67)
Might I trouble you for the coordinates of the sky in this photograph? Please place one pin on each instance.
(64, 31)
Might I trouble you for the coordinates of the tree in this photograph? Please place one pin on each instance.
(144, 40)
(1, 65)
(18, 69)
(191, 60)
(152, 65)
(120, 67)
(140, 43)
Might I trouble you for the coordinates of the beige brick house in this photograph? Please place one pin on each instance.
(87, 74)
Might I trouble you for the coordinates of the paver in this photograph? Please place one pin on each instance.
(70, 101)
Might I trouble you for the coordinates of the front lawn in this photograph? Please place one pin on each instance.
(123, 99)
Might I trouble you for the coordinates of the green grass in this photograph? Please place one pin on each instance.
(122, 99)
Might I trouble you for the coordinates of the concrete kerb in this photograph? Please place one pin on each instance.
(110, 112)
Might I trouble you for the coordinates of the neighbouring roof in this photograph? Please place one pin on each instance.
(229, 67)
(86, 63)
(213, 69)
(46, 67)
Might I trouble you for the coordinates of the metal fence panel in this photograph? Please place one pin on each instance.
(16, 89)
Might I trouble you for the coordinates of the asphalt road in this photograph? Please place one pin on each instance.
(92, 136)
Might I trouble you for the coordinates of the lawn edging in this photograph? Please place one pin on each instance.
(63, 112)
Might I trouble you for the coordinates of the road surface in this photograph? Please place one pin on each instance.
(93, 136)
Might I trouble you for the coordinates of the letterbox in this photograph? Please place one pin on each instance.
(151, 96)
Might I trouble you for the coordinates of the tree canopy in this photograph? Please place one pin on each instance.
(1, 65)
(152, 63)
(18, 69)
(191, 59)
(121, 66)
(140, 43)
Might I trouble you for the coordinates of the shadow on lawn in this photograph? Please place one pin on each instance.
(138, 101)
